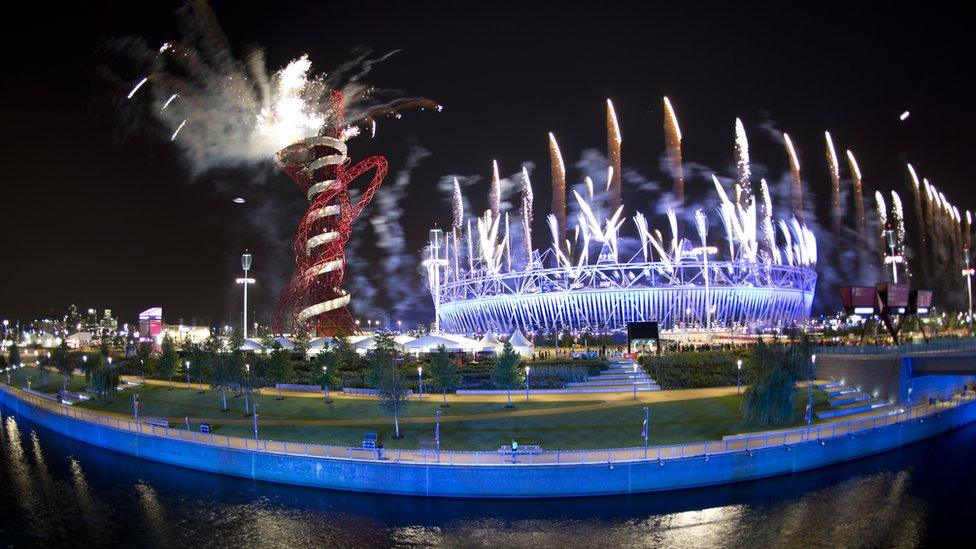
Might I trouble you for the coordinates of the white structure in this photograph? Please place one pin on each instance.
(285, 343)
(246, 265)
(251, 345)
(520, 344)
(490, 342)
(430, 342)
(78, 340)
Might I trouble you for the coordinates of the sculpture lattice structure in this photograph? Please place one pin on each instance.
(323, 171)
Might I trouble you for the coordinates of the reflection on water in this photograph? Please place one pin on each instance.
(57, 491)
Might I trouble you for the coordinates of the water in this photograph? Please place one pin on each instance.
(56, 492)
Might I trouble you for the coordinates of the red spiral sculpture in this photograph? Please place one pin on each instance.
(320, 166)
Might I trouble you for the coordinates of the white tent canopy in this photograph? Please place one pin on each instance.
(520, 344)
(251, 345)
(466, 344)
(319, 344)
(430, 342)
(490, 342)
(285, 343)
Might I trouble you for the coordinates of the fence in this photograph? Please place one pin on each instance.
(731, 444)
(933, 346)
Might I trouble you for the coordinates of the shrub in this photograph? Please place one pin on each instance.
(690, 370)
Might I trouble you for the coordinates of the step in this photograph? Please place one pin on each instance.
(839, 392)
(827, 385)
(619, 376)
(849, 399)
(852, 409)
(608, 383)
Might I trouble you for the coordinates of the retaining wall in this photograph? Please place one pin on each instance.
(501, 480)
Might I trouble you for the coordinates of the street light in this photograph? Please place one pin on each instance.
(647, 428)
(635, 380)
(325, 383)
(437, 432)
(247, 379)
(255, 424)
(187, 374)
(813, 362)
(738, 374)
(526, 383)
(892, 258)
(968, 273)
(246, 265)
(705, 251)
(420, 376)
(434, 264)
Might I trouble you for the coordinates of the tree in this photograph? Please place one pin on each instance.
(345, 355)
(444, 372)
(769, 400)
(506, 371)
(301, 340)
(279, 366)
(43, 367)
(168, 359)
(144, 354)
(327, 369)
(383, 374)
(14, 353)
(63, 364)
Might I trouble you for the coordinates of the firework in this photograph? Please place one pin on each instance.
(882, 219)
(457, 209)
(558, 187)
(613, 156)
(527, 199)
(742, 162)
(672, 135)
(797, 188)
(835, 210)
(494, 190)
(860, 222)
(920, 220)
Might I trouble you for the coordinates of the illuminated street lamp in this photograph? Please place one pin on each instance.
(892, 258)
(813, 362)
(738, 374)
(705, 251)
(646, 431)
(968, 273)
(420, 383)
(325, 383)
(526, 383)
(247, 380)
(635, 380)
(246, 265)
(187, 374)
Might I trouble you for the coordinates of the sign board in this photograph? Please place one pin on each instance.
(893, 296)
(642, 337)
(920, 302)
(859, 299)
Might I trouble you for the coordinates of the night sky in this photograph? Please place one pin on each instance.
(100, 213)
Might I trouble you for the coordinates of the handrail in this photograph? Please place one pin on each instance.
(729, 445)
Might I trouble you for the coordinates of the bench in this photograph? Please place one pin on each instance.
(526, 449)
(369, 441)
(298, 388)
(157, 421)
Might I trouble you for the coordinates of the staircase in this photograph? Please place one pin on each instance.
(619, 378)
(845, 401)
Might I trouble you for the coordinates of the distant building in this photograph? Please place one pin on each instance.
(151, 323)
(79, 340)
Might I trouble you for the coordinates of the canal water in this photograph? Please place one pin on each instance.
(57, 492)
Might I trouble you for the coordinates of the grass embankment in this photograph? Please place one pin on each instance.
(470, 423)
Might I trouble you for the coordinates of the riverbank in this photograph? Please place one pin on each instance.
(492, 474)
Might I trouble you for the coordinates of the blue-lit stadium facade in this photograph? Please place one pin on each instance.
(604, 297)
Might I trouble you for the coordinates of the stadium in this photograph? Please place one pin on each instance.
(485, 275)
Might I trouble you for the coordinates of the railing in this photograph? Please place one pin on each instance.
(933, 346)
(730, 444)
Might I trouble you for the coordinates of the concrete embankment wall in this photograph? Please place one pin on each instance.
(520, 480)
(890, 376)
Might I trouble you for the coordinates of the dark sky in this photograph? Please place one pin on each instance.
(98, 216)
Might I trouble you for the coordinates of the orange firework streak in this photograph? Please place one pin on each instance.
(323, 171)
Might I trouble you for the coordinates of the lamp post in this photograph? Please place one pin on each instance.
(646, 432)
(246, 265)
(325, 383)
(255, 423)
(526, 383)
(420, 377)
(635, 380)
(135, 407)
(738, 375)
(247, 379)
(968, 273)
(813, 362)
(437, 432)
(187, 374)
(705, 251)
(892, 258)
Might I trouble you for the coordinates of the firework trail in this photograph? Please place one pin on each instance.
(613, 156)
(494, 191)
(742, 163)
(797, 189)
(898, 222)
(558, 188)
(527, 199)
(929, 229)
(967, 230)
(920, 222)
(835, 211)
(883, 221)
(457, 209)
(860, 221)
(672, 135)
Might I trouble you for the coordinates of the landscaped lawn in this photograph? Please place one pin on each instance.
(468, 425)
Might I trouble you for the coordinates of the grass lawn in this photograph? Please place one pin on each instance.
(467, 425)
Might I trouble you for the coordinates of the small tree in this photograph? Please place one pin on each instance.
(327, 371)
(302, 339)
(105, 378)
(279, 366)
(383, 374)
(769, 400)
(444, 372)
(168, 359)
(63, 364)
(43, 368)
(144, 354)
(506, 370)
(14, 353)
